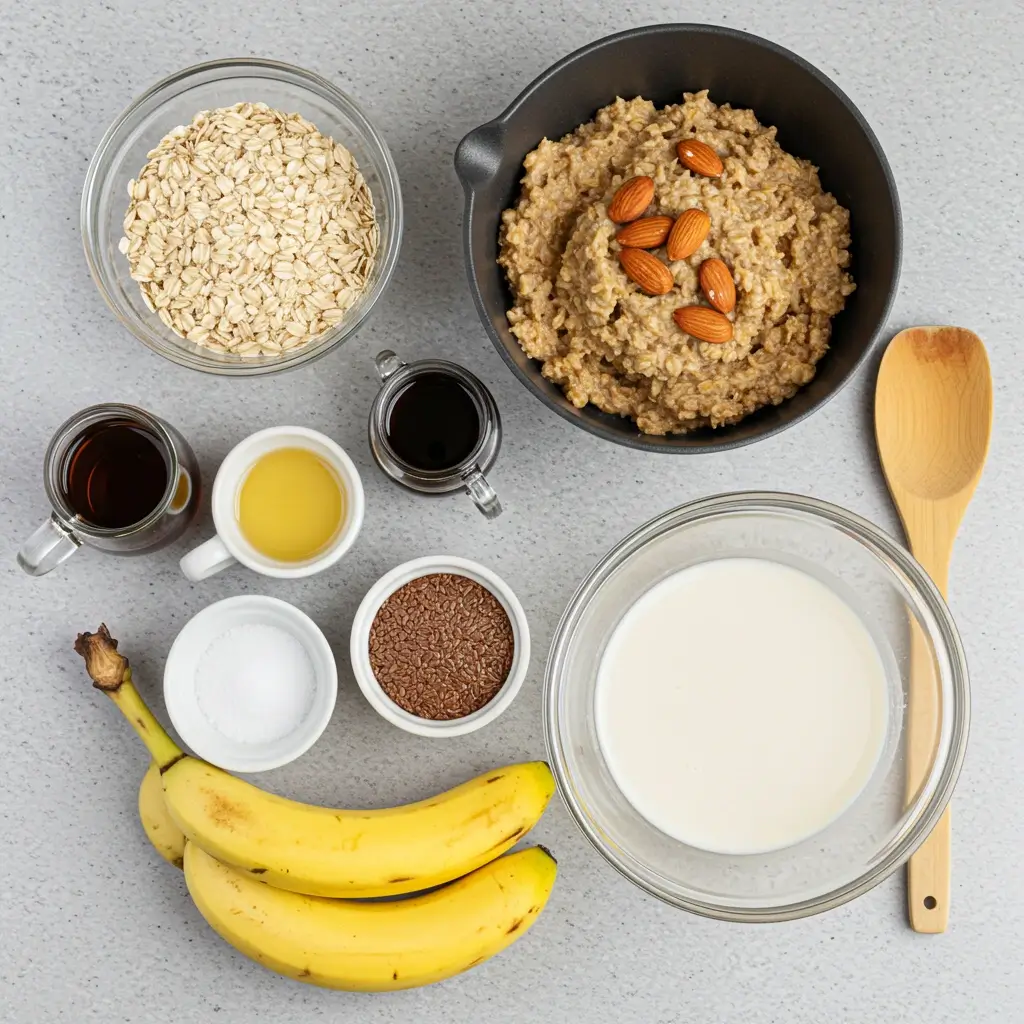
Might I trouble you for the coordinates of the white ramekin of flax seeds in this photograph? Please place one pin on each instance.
(440, 646)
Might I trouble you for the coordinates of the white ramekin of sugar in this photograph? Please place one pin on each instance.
(250, 683)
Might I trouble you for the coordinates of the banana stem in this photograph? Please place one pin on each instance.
(161, 747)
(111, 673)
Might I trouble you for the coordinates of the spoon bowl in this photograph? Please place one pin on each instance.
(933, 411)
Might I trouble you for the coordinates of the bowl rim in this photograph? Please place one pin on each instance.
(597, 427)
(846, 521)
(390, 246)
(395, 579)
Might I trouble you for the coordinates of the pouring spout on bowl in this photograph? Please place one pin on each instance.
(479, 155)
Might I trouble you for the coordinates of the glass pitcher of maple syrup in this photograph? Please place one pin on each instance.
(435, 428)
(118, 479)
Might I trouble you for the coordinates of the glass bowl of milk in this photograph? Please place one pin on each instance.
(727, 706)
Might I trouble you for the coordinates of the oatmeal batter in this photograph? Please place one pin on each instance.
(606, 342)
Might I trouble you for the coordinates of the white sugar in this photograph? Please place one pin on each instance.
(255, 683)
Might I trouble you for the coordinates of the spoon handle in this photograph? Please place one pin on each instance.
(931, 530)
(928, 870)
(928, 880)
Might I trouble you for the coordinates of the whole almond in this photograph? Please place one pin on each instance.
(647, 271)
(699, 157)
(646, 233)
(717, 284)
(631, 199)
(687, 234)
(703, 323)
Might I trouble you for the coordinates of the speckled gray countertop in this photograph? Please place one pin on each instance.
(92, 926)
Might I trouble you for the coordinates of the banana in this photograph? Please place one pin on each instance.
(325, 852)
(373, 947)
(163, 833)
(318, 850)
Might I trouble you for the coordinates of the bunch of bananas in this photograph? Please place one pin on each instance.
(267, 873)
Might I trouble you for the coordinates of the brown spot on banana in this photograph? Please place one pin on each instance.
(226, 813)
(516, 925)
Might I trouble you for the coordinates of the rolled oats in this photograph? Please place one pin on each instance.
(248, 231)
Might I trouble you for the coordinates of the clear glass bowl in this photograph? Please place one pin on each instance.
(176, 100)
(899, 605)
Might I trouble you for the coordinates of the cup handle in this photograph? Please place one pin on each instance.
(387, 364)
(207, 559)
(481, 492)
(51, 544)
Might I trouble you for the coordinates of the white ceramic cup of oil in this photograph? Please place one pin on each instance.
(231, 544)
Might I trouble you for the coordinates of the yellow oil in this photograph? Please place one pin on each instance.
(290, 505)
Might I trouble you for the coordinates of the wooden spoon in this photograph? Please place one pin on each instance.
(933, 419)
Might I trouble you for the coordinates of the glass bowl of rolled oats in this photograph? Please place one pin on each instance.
(242, 217)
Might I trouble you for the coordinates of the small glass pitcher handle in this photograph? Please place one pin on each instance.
(387, 364)
(51, 544)
(182, 493)
(482, 493)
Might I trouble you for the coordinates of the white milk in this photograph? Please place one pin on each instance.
(741, 706)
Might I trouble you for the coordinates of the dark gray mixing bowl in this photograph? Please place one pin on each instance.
(815, 121)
